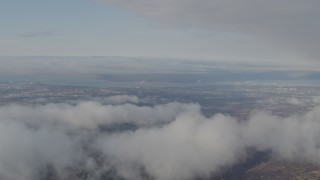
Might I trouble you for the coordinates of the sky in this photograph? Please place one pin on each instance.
(267, 32)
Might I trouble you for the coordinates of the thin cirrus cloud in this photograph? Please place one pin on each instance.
(292, 26)
(36, 34)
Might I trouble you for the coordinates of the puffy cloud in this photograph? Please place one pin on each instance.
(26, 152)
(171, 141)
(293, 138)
(57, 137)
(195, 146)
(91, 114)
(191, 145)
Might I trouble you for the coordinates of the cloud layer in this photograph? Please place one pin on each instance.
(170, 141)
(289, 25)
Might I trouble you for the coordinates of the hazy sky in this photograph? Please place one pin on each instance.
(270, 31)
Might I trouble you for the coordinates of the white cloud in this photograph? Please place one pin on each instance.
(190, 145)
(90, 114)
(172, 141)
(294, 101)
(193, 145)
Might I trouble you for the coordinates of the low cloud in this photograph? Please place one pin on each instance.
(294, 101)
(195, 146)
(90, 114)
(170, 141)
(189, 146)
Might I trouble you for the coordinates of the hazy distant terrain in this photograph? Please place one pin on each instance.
(107, 71)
